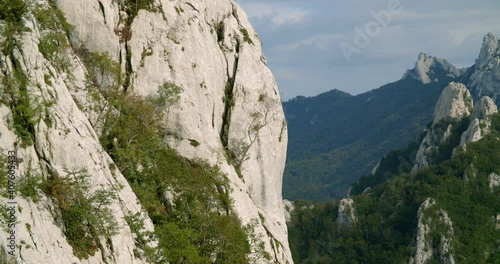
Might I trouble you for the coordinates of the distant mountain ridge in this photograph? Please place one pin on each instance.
(335, 138)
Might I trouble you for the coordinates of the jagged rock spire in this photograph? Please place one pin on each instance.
(485, 81)
(426, 67)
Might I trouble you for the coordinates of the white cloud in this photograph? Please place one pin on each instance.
(258, 10)
(289, 17)
(322, 41)
(276, 14)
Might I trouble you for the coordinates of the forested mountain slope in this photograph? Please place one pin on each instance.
(445, 212)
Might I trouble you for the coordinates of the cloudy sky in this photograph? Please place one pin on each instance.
(313, 46)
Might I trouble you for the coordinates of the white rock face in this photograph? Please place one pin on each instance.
(185, 49)
(481, 123)
(210, 50)
(424, 249)
(289, 207)
(494, 180)
(454, 103)
(346, 215)
(485, 81)
(95, 24)
(426, 66)
(69, 142)
(484, 109)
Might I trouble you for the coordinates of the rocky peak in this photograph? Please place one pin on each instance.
(455, 102)
(485, 81)
(427, 68)
(489, 51)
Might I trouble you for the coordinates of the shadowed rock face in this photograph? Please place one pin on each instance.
(229, 100)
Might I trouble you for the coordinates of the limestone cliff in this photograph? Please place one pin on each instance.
(454, 104)
(485, 81)
(228, 114)
(431, 219)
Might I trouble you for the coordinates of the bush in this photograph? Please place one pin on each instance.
(168, 95)
(495, 123)
(23, 112)
(132, 8)
(29, 186)
(12, 11)
(85, 215)
(246, 36)
(54, 36)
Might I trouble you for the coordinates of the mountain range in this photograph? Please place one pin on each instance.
(436, 200)
(336, 138)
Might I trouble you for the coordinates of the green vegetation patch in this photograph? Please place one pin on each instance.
(187, 200)
(16, 95)
(387, 215)
(246, 36)
(84, 212)
(54, 36)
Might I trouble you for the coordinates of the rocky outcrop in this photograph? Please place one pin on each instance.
(485, 81)
(480, 121)
(427, 67)
(229, 106)
(424, 248)
(346, 214)
(289, 208)
(493, 180)
(430, 219)
(454, 104)
(484, 109)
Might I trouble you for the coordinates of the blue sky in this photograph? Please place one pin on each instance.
(302, 39)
